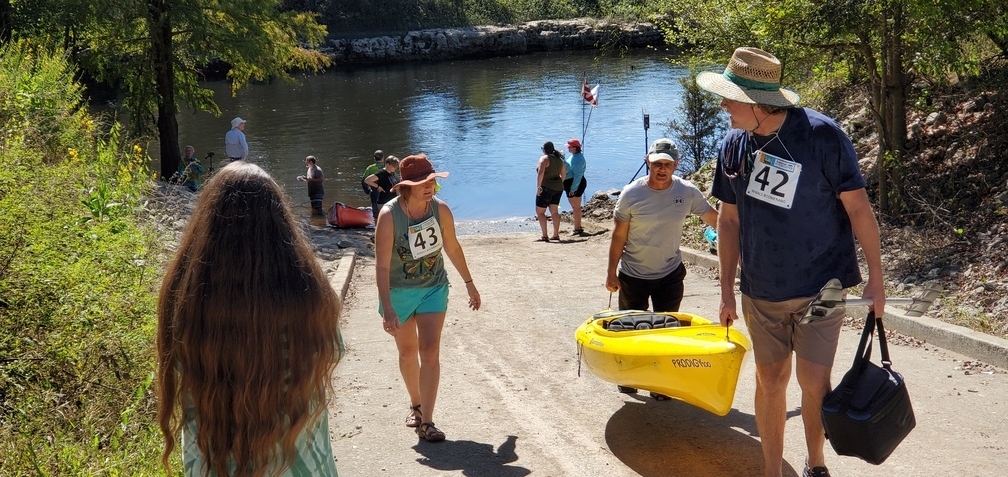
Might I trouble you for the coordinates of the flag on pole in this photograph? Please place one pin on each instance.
(590, 94)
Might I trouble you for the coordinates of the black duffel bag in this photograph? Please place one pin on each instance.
(869, 413)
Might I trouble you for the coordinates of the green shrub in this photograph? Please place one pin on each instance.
(78, 278)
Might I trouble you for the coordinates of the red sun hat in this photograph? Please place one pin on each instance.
(573, 142)
(416, 169)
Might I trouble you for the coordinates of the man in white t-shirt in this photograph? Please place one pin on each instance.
(644, 259)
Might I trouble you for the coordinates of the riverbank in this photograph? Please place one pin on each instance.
(494, 40)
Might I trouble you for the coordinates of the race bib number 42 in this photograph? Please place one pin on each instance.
(773, 180)
(424, 238)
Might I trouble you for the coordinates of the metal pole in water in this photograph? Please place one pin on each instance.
(647, 124)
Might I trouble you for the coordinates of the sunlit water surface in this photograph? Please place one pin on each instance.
(482, 120)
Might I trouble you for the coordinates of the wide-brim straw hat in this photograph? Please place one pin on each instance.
(752, 76)
(416, 170)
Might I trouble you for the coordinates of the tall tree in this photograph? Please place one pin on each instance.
(882, 44)
(155, 49)
(159, 30)
(6, 21)
(699, 125)
(997, 28)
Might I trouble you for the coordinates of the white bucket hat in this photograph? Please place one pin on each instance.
(752, 76)
(236, 121)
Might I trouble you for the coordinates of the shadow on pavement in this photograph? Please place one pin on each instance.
(672, 438)
(472, 458)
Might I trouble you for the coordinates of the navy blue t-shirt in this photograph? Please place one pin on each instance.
(795, 234)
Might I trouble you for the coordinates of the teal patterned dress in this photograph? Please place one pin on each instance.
(312, 451)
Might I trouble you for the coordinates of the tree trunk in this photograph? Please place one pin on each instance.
(885, 152)
(162, 59)
(896, 92)
(876, 104)
(891, 107)
(6, 21)
(999, 40)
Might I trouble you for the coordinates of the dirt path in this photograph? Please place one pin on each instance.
(512, 404)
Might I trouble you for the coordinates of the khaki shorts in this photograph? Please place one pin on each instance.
(775, 333)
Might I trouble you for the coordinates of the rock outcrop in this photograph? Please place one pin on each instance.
(490, 41)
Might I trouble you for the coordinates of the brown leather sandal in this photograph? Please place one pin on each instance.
(429, 433)
(414, 418)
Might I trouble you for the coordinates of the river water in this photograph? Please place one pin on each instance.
(482, 120)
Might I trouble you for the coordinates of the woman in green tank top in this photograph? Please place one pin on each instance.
(549, 187)
(411, 232)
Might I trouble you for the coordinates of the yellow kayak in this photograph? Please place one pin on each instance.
(680, 355)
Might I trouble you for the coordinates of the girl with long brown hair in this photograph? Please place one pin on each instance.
(411, 233)
(247, 337)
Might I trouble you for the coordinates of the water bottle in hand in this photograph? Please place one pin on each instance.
(710, 234)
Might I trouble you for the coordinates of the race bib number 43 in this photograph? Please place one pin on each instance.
(773, 180)
(424, 238)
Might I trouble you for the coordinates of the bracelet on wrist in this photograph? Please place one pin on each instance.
(468, 281)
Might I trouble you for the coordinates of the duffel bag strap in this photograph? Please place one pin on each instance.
(862, 356)
(864, 349)
(883, 347)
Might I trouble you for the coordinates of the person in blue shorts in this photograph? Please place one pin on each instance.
(412, 231)
(575, 183)
(792, 202)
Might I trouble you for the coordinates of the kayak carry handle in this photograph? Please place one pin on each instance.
(832, 296)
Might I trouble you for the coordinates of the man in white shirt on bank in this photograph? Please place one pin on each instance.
(234, 141)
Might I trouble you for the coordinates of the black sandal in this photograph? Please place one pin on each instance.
(414, 418)
(429, 433)
(543, 239)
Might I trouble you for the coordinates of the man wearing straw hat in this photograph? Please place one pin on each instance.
(793, 201)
